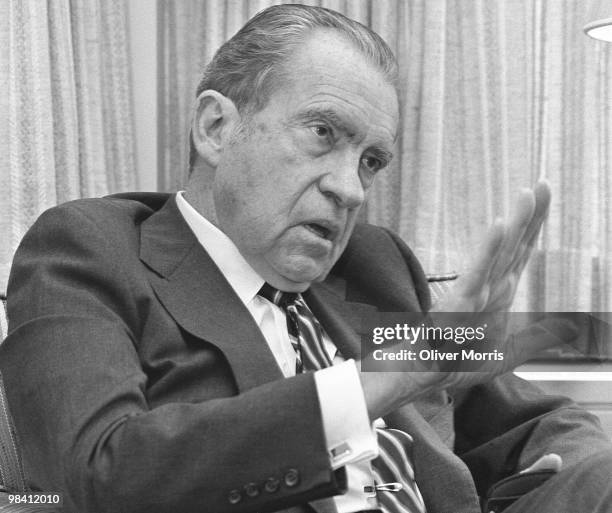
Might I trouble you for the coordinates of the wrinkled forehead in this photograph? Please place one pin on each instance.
(333, 48)
(328, 69)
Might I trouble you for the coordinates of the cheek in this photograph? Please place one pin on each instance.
(248, 215)
(226, 202)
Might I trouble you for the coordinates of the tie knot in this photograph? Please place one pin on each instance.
(278, 297)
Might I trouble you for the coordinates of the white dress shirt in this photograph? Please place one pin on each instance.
(345, 418)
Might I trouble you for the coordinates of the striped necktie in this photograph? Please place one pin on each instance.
(393, 465)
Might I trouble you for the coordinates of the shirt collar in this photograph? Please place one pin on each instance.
(224, 253)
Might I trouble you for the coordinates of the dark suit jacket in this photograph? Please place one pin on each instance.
(138, 381)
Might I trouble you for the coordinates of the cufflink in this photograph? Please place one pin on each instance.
(340, 451)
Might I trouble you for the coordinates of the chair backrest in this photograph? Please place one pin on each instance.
(12, 477)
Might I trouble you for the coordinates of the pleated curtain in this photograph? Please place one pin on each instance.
(495, 94)
(66, 106)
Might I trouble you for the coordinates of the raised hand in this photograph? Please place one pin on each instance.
(488, 288)
(490, 283)
(483, 294)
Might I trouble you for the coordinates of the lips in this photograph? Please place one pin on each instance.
(322, 228)
(321, 231)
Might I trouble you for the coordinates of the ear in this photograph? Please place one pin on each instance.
(214, 119)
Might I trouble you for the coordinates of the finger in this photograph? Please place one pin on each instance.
(542, 198)
(473, 281)
(542, 203)
(515, 238)
(502, 294)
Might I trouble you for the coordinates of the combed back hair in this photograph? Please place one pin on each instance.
(249, 66)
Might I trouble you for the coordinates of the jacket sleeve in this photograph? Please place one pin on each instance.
(504, 426)
(76, 388)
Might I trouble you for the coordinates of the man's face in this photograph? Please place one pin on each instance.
(290, 184)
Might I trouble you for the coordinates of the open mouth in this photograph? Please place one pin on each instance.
(320, 230)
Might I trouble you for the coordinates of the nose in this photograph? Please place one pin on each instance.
(342, 183)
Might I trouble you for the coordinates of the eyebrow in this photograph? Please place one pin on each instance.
(332, 117)
(328, 115)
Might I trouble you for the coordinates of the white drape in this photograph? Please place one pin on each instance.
(65, 102)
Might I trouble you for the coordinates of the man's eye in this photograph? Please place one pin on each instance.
(372, 164)
(322, 131)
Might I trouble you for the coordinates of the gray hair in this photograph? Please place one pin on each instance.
(248, 66)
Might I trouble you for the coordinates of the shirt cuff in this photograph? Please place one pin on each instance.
(350, 437)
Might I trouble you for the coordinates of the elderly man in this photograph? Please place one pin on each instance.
(160, 347)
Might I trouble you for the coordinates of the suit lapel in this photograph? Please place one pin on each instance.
(199, 298)
(201, 301)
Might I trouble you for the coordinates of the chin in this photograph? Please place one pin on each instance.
(303, 276)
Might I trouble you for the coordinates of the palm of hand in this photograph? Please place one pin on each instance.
(490, 285)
